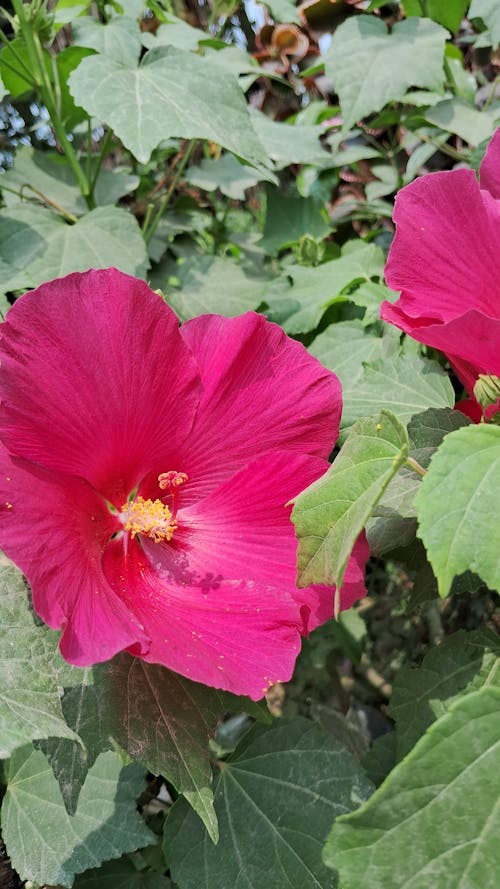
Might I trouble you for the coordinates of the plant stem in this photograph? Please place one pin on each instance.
(51, 203)
(42, 80)
(163, 204)
(416, 467)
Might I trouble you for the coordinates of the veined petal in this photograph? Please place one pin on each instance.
(261, 391)
(240, 636)
(55, 528)
(243, 530)
(444, 256)
(96, 380)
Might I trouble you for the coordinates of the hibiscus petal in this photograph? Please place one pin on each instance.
(55, 528)
(489, 171)
(96, 380)
(444, 256)
(261, 391)
(243, 529)
(239, 636)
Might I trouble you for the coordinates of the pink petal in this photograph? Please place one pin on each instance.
(243, 530)
(489, 171)
(236, 635)
(444, 256)
(54, 528)
(261, 391)
(96, 380)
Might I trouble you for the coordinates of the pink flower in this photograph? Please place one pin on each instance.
(145, 474)
(445, 258)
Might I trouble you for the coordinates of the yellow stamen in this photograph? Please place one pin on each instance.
(149, 517)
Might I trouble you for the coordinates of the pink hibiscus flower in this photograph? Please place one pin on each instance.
(145, 474)
(445, 258)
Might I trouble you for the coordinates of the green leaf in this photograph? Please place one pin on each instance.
(287, 143)
(226, 174)
(381, 758)
(489, 12)
(50, 174)
(121, 875)
(120, 39)
(459, 508)
(458, 117)
(167, 95)
(165, 721)
(344, 347)
(370, 67)
(38, 245)
(275, 797)
(405, 384)
(448, 13)
(15, 75)
(331, 513)
(30, 703)
(283, 10)
(463, 663)
(85, 711)
(426, 431)
(175, 32)
(66, 62)
(435, 820)
(47, 845)
(289, 218)
(215, 285)
(302, 303)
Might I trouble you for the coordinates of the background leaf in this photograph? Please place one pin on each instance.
(331, 513)
(465, 474)
(369, 67)
(275, 797)
(47, 845)
(30, 703)
(435, 820)
(146, 104)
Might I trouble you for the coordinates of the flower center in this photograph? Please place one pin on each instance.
(153, 517)
(150, 517)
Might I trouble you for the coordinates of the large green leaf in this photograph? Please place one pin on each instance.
(38, 245)
(489, 12)
(330, 514)
(459, 507)
(435, 820)
(86, 711)
(165, 721)
(215, 285)
(30, 702)
(167, 95)
(120, 39)
(448, 13)
(458, 117)
(344, 347)
(226, 173)
(289, 144)
(302, 295)
(405, 384)
(463, 663)
(47, 845)
(275, 797)
(370, 67)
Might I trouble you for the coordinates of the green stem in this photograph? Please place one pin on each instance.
(51, 203)
(147, 219)
(416, 467)
(162, 206)
(491, 94)
(35, 52)
(105, 145)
